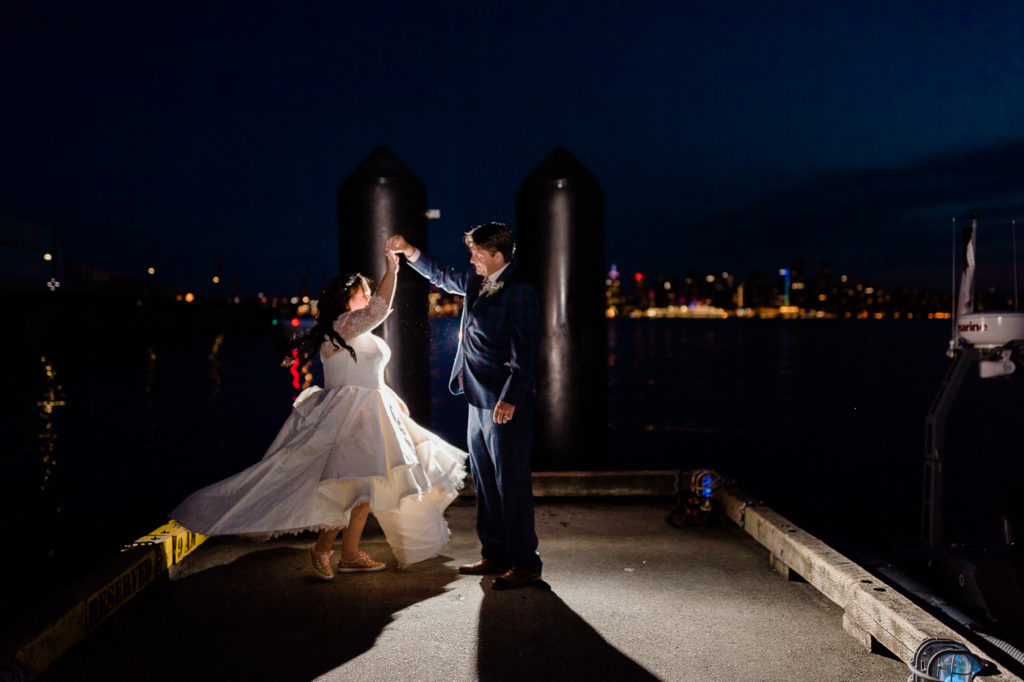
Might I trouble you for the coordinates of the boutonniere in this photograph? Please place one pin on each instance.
(493, 287)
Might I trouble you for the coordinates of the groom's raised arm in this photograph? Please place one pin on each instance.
(449, 279)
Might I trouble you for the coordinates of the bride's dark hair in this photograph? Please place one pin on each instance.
(334, 299)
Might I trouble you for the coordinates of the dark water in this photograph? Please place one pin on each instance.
(103, 433)
(822, 419)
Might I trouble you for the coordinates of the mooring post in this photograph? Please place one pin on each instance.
(382, 197)
(560, 217)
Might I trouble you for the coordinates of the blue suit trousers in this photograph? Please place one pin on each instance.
(499, 457)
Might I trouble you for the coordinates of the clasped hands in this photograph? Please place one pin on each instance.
(396, 244)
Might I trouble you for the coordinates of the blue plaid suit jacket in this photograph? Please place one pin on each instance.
(499, 337)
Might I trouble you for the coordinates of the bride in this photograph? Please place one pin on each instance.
(345, 450)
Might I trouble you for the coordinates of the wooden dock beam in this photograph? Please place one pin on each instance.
(874, 613)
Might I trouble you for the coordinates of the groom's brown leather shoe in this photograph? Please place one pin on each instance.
(482, 567)
(515, 578)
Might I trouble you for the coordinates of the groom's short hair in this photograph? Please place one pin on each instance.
(492, 237)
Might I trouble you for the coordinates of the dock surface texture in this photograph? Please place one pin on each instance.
(631, 598)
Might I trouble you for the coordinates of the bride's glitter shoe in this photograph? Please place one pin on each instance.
(322, 563)
(361, 564)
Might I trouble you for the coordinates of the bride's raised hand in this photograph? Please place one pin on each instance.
(392, 260)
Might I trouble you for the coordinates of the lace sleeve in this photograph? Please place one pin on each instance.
(355, 322)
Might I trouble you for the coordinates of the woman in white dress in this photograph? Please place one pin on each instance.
(345, 450)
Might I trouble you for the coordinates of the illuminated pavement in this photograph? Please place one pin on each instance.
(632, 598)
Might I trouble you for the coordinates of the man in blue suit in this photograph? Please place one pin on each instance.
(494, 367)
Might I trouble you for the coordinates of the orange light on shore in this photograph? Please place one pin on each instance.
(189, 297)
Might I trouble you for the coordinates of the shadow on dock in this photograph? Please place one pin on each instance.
(263, 615)
(540, 623)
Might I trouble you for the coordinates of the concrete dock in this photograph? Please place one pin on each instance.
(631, 598)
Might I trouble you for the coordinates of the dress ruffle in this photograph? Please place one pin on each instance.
(340, 447)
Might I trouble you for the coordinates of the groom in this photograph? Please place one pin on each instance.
(494, 365)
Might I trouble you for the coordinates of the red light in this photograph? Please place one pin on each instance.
(639, 277)
(295, 322)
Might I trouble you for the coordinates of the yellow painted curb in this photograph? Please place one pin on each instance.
(77, 611)
(176, 540)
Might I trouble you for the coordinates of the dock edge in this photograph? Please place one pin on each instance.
(82, 607)
(874, 613)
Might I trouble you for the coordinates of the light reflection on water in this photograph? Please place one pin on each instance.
(104, 437)
(52, 397)
(218, 341)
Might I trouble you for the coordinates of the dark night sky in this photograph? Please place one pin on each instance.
(726, 135)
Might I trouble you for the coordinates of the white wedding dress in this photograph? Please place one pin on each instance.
(342, 445)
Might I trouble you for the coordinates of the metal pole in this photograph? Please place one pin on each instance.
(1013, 231)
(932, 529)
(953, 297)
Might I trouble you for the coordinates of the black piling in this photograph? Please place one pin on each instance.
(560, 217)
(380, 198)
